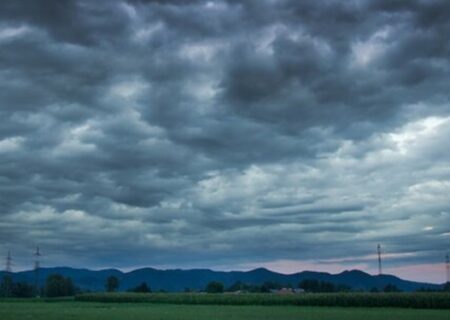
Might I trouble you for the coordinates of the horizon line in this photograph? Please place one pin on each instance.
(224, 271)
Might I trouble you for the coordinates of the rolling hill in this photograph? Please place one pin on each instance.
(196, 279)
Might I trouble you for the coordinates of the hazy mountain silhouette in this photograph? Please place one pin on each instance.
(196, 279)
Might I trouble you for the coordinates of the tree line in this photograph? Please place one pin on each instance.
(307, 285)
(57, 285)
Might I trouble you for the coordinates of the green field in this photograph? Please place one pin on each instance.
(62, 310)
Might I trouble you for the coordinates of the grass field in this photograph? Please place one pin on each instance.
(62, 310)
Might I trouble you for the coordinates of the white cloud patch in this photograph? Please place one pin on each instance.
(367, 51)
(12, 32)
(11, 144)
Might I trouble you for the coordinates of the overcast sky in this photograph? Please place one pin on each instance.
(226, 134)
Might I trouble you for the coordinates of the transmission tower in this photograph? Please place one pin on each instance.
(8, 267)
(380, 269)
(37, 256)
(447, 267)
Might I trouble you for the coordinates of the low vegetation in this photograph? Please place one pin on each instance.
(11, 289)
(310, 293)
(59, 286)
(142, 288)
(55, 286)
(429, 300)
(70, 310)
(112, 284)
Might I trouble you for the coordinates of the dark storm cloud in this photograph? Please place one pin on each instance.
(196, 130)
(78, 22)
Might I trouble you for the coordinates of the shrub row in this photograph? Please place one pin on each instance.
(401, 300)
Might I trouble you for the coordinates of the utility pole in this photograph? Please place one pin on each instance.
(447, 267)
(8, 267)
(380, 269)
(37, 256)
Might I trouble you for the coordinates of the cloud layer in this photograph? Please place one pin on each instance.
(225, 134)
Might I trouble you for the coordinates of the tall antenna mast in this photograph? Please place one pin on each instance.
(447, 267)
(8, 267)
(380, 269)
(37, 256)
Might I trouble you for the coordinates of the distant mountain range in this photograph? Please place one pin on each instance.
(197, 279)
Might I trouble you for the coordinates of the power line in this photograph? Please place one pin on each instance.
(37, 256)
(380, 269)
(8, 267)
(447, 267)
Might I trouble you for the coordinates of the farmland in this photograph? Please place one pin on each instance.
(401, 300)
(62, 310)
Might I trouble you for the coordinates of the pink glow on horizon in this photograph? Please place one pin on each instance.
(432, 273)
(293, 266)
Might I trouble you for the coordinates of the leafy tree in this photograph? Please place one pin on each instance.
(422, 289)
(6, 287)
(9, 288)
(343, 288)
(70, 287)
(312, 285)
(23, 290)
(327, 287)
(214, 287)
(112, 284)
(446, 287)
(269, 285)
(391, 288)
(58, 286)
(143, 287)
(238, 285)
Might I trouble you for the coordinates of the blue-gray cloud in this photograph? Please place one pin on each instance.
(224, 132)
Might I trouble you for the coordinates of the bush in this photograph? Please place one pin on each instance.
(312, 285)
(391, 288)
(9, 288)
(112, 284)
(6, 286)
(58, 286)
(142, 288)
(23, 290)
(214, 287)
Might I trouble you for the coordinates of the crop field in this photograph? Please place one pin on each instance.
(399, 300)
(64, 310)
